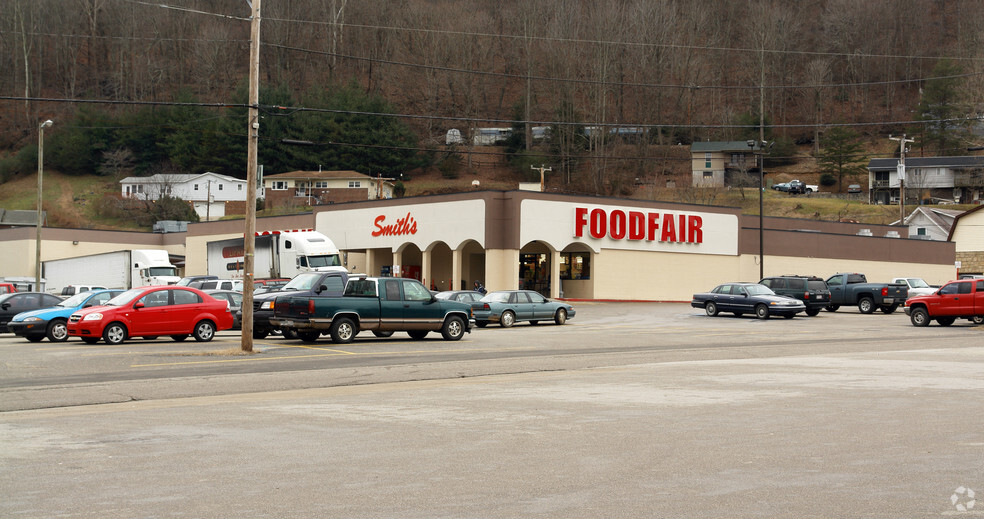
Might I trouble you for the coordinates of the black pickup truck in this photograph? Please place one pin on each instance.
(849, 288)
(329, 283)
(379, 305)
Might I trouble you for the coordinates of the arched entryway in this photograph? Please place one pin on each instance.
(538, 268)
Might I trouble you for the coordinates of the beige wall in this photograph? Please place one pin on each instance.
(969, 232)
(196, 261)
(501, 269)
(875, 271)
(657, 276)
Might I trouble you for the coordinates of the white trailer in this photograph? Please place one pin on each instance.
(119, 269)
(278, 254)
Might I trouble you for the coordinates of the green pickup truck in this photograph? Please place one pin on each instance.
(379, 305)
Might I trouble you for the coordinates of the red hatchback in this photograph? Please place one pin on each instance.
(152, 311)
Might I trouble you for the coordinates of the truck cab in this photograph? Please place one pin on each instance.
(960, 299)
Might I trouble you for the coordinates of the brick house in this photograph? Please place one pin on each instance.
(322, 188)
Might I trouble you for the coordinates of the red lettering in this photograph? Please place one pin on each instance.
(695, 234)
(598, 229)
(405, 225)
(637, 224)
(653, 226)
(580, 220)
(617, 225)
(669, 229)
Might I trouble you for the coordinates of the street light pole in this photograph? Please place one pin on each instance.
(37, 244)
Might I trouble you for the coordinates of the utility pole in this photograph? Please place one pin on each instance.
(901, 172)
(253, 131)
(541, 169)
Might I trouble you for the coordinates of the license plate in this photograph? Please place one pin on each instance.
(287, 323)
(889, 300)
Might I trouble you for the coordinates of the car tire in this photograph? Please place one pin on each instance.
(977, 319)
(90, 340)
(417, 334)
(453, 329)
(204, 331)
(945, 321)
(115, 333)
(560, 317)
(289, 333)
(34, 338)
(57, 331)
(812, 312)
(919, 317)
(343, 330)
(382, 334)
(831, 308)
(711, 309)
(889, 309)
(508, 319)
(179, 338)
(309, 336)
(761, 311)
(866, 305)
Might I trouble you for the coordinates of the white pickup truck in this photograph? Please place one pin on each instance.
(917, 287)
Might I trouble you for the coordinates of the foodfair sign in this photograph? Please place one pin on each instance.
(664, 229)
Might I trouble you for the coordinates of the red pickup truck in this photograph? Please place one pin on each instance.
(961, 299)
(6, 288)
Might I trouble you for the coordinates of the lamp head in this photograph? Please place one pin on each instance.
(750, 143)
(47, 123)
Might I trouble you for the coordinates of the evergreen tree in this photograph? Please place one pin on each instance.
(942, 107)
(841, 154)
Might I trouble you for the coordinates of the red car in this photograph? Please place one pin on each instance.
(152, 311)
(960, 299)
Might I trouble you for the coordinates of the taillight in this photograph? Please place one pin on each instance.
(806, 295)
(310, 306)
(885, 291)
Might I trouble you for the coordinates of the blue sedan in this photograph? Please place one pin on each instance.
(747, 298)
(35, 325)
(507, 307)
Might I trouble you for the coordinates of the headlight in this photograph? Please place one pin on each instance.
(266, 305)
(31, 319)
(93, 317)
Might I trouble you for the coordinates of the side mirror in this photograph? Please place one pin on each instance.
(6, 306)
(138, 306)
(321, 288)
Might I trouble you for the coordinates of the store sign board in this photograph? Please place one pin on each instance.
(629, 228)
(393, 226)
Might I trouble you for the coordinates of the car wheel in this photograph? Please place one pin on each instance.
(832, 308)
(417, 334)
(382, 334)
(454, 328)
(711, 309)
(889, 309)
(289, 333)
(114, 334)
(919, 317)
(178, 338)
(866, 305)
(342, 330)
(812, 312)
(57, 331)
(34, 338)
(481, 324)
(260, 334)
(204, 331)
(762, 311)
(977, 319)
(945, 321)
(90, 340)
(309, 336)
(508, 319)
(561, 316)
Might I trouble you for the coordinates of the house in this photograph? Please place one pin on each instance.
(21, 218)
(724, 163)
(323, 187)
(936, 179)
(211, 195)
(968, 235)
(927, 223)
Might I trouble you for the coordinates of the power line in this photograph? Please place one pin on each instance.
(187, 10)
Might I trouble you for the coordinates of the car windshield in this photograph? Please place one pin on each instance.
(758, 290)
(496, 297)
(125, 297)
(75, 300)
(302, 281)
(918, 283)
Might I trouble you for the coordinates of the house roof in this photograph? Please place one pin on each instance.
(23, 217)
(335, 175)
(928, 162)
(175, 178)
(942, 218)
(949, 237)
(702, 147)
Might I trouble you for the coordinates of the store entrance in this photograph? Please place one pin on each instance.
(534, 273)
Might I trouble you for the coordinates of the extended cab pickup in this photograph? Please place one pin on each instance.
(329, 283)
(961, 299)
(917, 287)
(380, 305)
(854, 289)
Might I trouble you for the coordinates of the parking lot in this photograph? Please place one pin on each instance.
(629, 410)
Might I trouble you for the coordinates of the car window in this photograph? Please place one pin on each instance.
(237, 299)
(767, 282)
(100, 298)
(333, 283)
(817, 285)
(980, 286)
(24, 301)
(965, 288)
(392, 287)
(796, 283)
(414, 291)
(156, 298)
(835, 280)
(537, 298)
(186, 297)
(780, 283)
(952, 288)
